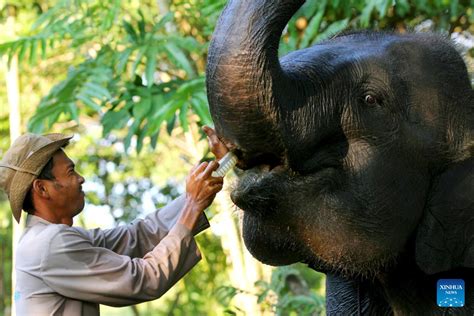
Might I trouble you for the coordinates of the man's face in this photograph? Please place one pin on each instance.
(66, 189)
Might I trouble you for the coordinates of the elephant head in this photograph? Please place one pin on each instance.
(357, 152)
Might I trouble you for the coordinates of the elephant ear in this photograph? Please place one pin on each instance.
(445, 237)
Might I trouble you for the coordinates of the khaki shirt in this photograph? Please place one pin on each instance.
(63, 270)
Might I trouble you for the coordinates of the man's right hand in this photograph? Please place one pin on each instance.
(201, 189)
(218, 148)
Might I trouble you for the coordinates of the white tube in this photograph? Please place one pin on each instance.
(225, 164)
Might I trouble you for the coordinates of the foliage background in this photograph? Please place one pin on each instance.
(127, 78)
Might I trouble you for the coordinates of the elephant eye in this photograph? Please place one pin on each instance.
(370, 99)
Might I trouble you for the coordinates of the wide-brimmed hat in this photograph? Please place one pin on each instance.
(23, 162)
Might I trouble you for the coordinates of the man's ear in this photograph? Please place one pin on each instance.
(445, 236)
(40, 188)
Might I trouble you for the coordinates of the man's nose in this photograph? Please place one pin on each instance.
(81, 179)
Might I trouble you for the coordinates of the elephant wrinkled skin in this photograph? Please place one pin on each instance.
(357, 156)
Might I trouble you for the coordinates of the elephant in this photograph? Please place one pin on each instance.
(355, 157)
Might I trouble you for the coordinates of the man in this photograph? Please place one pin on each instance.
(65, 270)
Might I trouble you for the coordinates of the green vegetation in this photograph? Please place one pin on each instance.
(127, 78)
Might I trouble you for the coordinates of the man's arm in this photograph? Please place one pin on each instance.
(141, 236)
(75, 268)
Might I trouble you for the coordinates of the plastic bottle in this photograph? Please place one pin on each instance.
(225, 164)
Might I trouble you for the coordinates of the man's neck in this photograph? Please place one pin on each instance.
(52, 217)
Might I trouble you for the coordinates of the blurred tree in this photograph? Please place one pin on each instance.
(131, 73)
(135, 71)
(319, 20)
(13, 98)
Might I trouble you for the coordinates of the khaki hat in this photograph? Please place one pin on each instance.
(23, 162)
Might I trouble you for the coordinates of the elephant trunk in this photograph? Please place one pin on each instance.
(244, 74)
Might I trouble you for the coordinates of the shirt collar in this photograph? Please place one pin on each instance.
(33, 220)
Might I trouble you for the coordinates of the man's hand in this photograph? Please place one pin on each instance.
(201, 189)
(218, 148)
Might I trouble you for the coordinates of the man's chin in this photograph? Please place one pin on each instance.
(80, 208)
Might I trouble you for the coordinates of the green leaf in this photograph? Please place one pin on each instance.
(138, 58)
(471, 16)
(123, 59)
(130, 31)
(140, 137)
(225, 294)
(335, 3)
(110, 16)
(261, 284)
(176, 55)
(333, 29)
(366, 13)
(45, 116)
(212, 9)
(183, 120)
(73, 111)
(202, 110)
(383, 6)
(54, 117)
(454, 4)
(33, 48)
(46, 16)
(141, 24)
(131, 131)
(96, 90)
(114, 120)
(309, 8)
(154, 139)
(170, 124)
(402, 7)
(168, 17)
(44, 45)
(150, 67)
(23, 48)
(141, 109)
(89, 103)
(163, 109)
(52, 41)
(313, 27)
(262, 296)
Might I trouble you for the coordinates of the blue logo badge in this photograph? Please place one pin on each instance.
(16, 296)
(450, 293)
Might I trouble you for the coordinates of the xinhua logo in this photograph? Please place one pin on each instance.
(450, 293)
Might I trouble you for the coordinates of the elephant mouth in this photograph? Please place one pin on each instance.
(268, 196)
(257, 184)
(264, 189)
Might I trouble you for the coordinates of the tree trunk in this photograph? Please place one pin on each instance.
(13, 95)
(163, 9)
(245, 270)
(2, 273)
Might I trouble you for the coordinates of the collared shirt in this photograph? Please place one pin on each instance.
(63, 270)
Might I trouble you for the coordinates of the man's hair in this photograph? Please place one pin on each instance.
(45, 174)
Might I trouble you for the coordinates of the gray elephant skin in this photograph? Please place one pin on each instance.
(357, 157)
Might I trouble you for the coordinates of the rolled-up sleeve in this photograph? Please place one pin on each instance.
(74, 267)
(142, 235)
